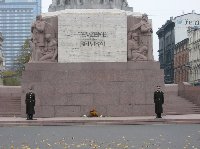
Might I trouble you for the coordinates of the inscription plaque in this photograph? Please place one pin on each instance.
(92, 36)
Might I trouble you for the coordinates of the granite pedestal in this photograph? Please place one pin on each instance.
(73, 89)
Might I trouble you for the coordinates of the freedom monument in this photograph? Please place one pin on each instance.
(85, 58)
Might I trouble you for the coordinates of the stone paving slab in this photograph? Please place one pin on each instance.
(65, 121)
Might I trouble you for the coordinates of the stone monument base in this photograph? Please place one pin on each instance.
(73, 89)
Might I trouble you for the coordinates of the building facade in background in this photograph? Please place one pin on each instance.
(181, 61)
(194, 55)
(16, 17)
(171, 33)
(183, 22)
(166, 50)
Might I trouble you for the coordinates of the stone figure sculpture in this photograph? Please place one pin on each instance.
(37, 30)
(136, 51)
(50, 50)
(89, 4)
(141, 37)
(43, 42)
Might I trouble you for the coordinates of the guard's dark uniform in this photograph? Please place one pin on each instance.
(159, 101)
(30, 104)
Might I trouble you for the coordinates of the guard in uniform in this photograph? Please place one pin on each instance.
(30, 104)
(159, 101)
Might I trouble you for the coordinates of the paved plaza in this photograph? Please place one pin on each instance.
(68, 121)
(102, 137)
(170, 132)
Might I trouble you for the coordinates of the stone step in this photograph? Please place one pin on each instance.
(7, 102)
(10, 100)
(178, 103)
(178, 113)
(180, 106)
(13, 111)
(15, 100)
(10, 103)
(10, 108)
(177, 100)
(169, 108)
(184, 110)
(10, 114)
(9, 97)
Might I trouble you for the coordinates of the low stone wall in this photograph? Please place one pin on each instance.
(73, 89)
(171, 89)
(191, 93)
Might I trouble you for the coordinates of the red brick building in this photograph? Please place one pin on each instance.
(181, 60)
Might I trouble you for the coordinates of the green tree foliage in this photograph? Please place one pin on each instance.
(13, 77)
(10, 78)
(24, 57)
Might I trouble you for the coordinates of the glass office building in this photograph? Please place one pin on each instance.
(16, 17)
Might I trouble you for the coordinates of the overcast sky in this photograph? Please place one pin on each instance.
(158, 10)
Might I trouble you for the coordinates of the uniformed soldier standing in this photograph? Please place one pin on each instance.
(159, 101)
(30, 104)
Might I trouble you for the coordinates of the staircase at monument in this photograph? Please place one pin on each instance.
(175, 105)
(10, 99)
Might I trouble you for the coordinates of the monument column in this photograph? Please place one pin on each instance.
(86, 66)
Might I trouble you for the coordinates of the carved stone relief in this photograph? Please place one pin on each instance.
(43, 42)
(140, 40)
